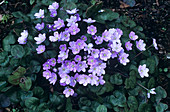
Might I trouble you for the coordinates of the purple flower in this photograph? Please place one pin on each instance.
(88, 48)
(63, 70)
(71, 21)
(94, 69)
(59, 23)
(73, 66)
(116, 46)
(52, 62)
(63, 54)
(73, 11)
(105, 54)
(84, 79)
(68, 92)
(47, 74)
(23, 38)
(24, 33)
(39, 26)
(140, 45)
(152, 91)
(78, 17)
(114, 54)
(95, 53)
(40, 38)
(132, 36)
(93, 79)
(128, 45)
(100, 81)
(80, 43)
(73, 81)
(91, 60)
(40, 14)
(46, 66)
(55, 37)
(155, 44)
(65, 36)
(77, 58)
(89, 20)
(91, 30)
(53, 78)
(83, 37)
(65, 79)
(40, 49)
(123, 58)
(81, 66)
(53, 13)
(99, 40)
(63, 47)
(73, 29)
(54, 70)
(75, 49)
(106, 35)
(143, 71)
(54, 6)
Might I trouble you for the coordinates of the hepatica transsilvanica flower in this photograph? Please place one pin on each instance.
(80, 61)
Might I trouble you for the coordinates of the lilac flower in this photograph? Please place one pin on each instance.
(83, 37)
(81, 66)
(151, 91)
(91, 30)
(63, 47)
(63, 70)
(132, 36)
(88, 47)
(105, 54)
(47, 74)
(73, 81)
(95, 53)
(94, 69)
(52, 62)
(84, 79)
(77, 58)
(65, 79)
(73, 66)
(24, 33)
(123, 58)
(155, 44)
(39, 26)
(140, 45)
(91, 60)
(114, 54)
(73, 11)
(78, 17)
(116, 46)
(80, 43)
(71, 21)
(106, 35)
(93, 79)
(54, 70)
(40, 49)
(100, 81)
(65, 36)
(23, 38)
(99, 40)
(40, 38)
(55, 37)
(128, 45)
(89, 20)
(59, 23)
(74, 29)
(53, 13)
(53, 78)
(40, 14)
(143, 71)
(68, 92)
(67, 63)
(75, 49)
(63, 54)
(54, 6)
(120, 32)
(46, 66)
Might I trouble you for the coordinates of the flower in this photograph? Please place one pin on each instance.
(95, 53)
(155, 44)
(88, 47)
(40, 14)
(40, 49)
(65, 36)
(93, 79)
(151, 91)
(53, 7)
(89, 20)
(73, 29)
(59, 24)
(140, 45)
(23, 38)
(65, 79)
(39, 26)
(99, 40)
(105, 54)
(77, 58)
(116, 46)
(123, 58)
(132, 36)
(73, 11)
(47, 74)
(40, 38)
(106, 35)
(53, 13)
(83, 37)
(143, 71)
(63, 47)
(56, 37)
(100, 81)
(68, 92)
(71, 21)
(46, 66)
(52, 62)
(91, 30)
(81, 66)
(53, 78)
(84, 79)
(128, 45)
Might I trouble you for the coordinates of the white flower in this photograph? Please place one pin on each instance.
(55, 37)
(23, 38)
(72, 11)
(155, 44)
(40, 14)
(143, 71)
(40, 38)
(89, 20)
(151, 91)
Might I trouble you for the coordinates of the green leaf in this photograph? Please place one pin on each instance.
(14, 79)
(3, 56)
(20, 15)
(145, 108)
(7, 41)
(92, 10)
(69, 6)
(131, 81)
(26, 94)
(4, 102)
(17, 51)
(35, 66)
(31, 2)
(130, 2)
(118, 98)
(55, 100)
(161, 107)
(132, 102)
(101, 108)
(3, 84)
(26, 84)
(116, 79)
(32, 103)
(38, 91)
(150, 62)
(19, 71)
(160, 93)
(68, 104)
(151, 83)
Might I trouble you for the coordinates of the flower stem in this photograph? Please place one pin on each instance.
(142, 86)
